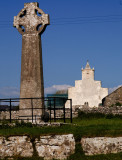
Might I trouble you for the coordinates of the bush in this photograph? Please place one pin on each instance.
(118, 104)
(22, 124)
(4, 124)
(83, 115)
(17, 124)
(109, 116)
(118, 116)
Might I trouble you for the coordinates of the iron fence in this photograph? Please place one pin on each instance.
(10, 109)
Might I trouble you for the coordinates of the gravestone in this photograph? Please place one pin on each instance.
(31, 23)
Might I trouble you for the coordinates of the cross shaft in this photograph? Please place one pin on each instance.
(28, 24)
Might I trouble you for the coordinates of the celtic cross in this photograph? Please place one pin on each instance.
(31, 22)
(29, 19)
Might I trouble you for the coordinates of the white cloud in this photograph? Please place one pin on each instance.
(110, 90)
(9, 92)
(54, 88)
(14, 92)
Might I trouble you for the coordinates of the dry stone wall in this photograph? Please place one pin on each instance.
(6, 115)
(105, 110)
(115, 110)
(101, 145)
(55, 147)
(60, 113)
(48, 147)
(113, 98)
(15, 146)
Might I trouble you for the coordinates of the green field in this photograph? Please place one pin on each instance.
(85, 127)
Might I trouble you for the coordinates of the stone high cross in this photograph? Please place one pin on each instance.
(31, 22)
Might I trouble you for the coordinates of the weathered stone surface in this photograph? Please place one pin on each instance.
(6, 115)
(15, 146)
(87, 91)
(101, 145)
(31, 25)
(57, 147)
(113, 98)
(115, 110)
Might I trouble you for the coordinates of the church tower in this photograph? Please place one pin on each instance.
(87, 73)
(87, 91)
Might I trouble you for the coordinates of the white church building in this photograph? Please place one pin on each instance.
(87, 91)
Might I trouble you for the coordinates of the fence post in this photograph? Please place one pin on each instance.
(64, 109)
(10, 110)
(44, 104)
(50, 110)
(71, 110)
(54, 112)
(32, 108)
(35, 118)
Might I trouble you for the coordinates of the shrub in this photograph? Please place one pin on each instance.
(83, 115)
(109, 116)
(17, 124)
(118, 104)
(22, 124)
(4, 124)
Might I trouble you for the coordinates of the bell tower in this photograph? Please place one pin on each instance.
(87, 72)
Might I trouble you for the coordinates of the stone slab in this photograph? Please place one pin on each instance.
(55, 147)
(101, 145)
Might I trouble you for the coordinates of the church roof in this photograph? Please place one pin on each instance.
(87, 65)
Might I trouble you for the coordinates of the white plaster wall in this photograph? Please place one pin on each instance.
(87, 90)
(87, 74)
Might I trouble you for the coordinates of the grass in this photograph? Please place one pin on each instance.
(85, 127)
(79, 155)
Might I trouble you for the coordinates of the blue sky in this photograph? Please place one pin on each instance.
(79, 30)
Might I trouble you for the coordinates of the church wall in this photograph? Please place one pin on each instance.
(87, 91)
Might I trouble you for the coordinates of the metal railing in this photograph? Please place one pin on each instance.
(50, 106)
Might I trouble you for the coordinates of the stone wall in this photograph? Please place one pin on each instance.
(48, 147)
(105, 110)
(6, 115)
(56, 146)
(113, 98)
(60, 113)
(115, 110)
(101, 145)
(15, 146)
